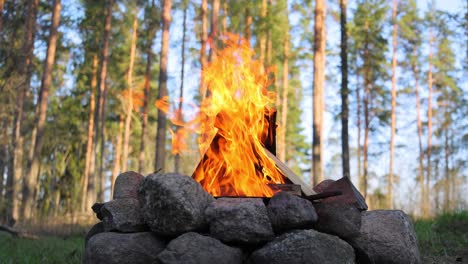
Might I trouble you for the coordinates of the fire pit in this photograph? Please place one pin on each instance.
(242, 204)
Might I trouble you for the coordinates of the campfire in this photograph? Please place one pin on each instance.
(237, 126)
(242, 204)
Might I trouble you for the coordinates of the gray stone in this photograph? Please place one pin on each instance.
(126, 185)
(123, 215)
(343, 220)
(239, 220)
(304, 246)
(173, 204)
(387, 237)
(287, 211)
(193, 248)
(97, 210)
(123, 248)
(96, 229)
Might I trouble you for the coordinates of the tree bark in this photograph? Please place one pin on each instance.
(39, 124)
(86, 186)
(214, 27)
(248, 24)
(144, 122)
(419, 129)
(15, 171)
(263, 14)
(100, 109)
(366, 102)
(128, 117)
(284, 105)
(393, 114)
(2, 3)
(426, 210)
(181, 90)
(118, 153)
(344, 91)
(318, 91)
(204, 39)
(359, 147)
(162, 92)
(447, 168)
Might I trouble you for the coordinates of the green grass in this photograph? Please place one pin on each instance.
(45, 250)
(446, 235)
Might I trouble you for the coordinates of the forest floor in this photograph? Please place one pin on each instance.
(441, 240)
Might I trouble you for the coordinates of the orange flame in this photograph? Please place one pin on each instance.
(236, 164)
(231, 123)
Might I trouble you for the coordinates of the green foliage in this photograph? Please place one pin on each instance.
(447, 234)
(46, 250)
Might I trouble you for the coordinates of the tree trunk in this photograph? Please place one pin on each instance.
(2, 3)
(248, 24)
(225, 16)
(88, 186)
(419, 127)
(144, 122)
(359, 147)
(393, 115)
(100, 108)
(204, 39)
(366, 99)
(284, 106)
(118, 154)
(181, 91)
(447, 168)
(214, 27)
(344, 91)
(162, 92)
(318, 91)
(39, 124)
(426, 212)
(263, 14)
(128, 117)
(15, 171)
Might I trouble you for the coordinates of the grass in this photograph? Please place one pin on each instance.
(46, 250)
(443, 239)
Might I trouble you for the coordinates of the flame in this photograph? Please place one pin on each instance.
(233, 124)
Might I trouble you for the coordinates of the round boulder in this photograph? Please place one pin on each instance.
(287, 211)
(387, 237)
(304, 247)
(123, 248)
(239, 220)
(193, 248)
(126, 185)
(173, 204)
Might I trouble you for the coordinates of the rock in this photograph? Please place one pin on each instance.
(287, 211)
(195, 248)
(97, 209)
(338, 219)
(323, 185)
(96, 229)
(387, 237)
(126, 185)
(123, 215)
(239, 220)
(123, 248)
(173, 204)
(304, 246)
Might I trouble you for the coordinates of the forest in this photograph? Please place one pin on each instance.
(374, 90)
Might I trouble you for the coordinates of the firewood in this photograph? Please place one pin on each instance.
(290, 175)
